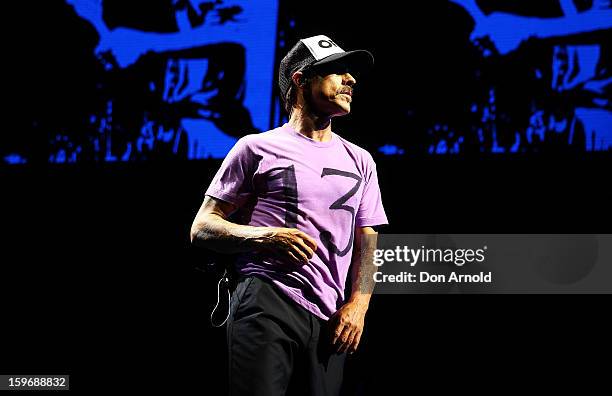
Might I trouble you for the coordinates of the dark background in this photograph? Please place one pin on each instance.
(98, 279)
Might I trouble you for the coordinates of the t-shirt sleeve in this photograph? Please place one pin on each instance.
(371, 211)
(233, 182)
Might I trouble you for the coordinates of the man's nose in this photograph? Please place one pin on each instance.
(348, 79)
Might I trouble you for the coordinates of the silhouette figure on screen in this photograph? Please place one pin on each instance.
(173, 80)
(575, 112)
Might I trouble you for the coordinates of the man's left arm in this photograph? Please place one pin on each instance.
(348, 322)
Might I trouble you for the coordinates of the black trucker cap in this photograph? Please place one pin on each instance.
(318, 53)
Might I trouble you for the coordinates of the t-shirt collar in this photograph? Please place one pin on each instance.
(316, 143)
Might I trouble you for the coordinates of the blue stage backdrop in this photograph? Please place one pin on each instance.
(568, 89)
(184, 79)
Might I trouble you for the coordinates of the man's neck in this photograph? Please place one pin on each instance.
(311, 126)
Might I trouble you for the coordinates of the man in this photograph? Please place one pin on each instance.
(304, 197)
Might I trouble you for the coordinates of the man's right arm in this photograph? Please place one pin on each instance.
(212, 230)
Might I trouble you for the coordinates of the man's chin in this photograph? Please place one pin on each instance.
(344, 109)
(342, 113)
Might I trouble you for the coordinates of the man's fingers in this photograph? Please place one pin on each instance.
(349, 341)
(302, 257)
(304, 247)
(308, 240)
(284, 255)
(346, 344)
(355, 344)
(341, 342)
(337, 333)
(291, 254)
(292, 257)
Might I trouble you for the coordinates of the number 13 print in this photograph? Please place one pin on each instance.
(326, 236)
(290, 194)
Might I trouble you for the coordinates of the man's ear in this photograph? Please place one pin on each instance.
(298, 78)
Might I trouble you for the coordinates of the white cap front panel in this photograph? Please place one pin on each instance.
(321, 46)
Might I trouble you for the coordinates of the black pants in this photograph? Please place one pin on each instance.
(277, 347)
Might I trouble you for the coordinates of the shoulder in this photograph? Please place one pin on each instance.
(255, 141)
(362, 155)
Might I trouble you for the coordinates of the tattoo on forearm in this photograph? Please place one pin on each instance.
(226, 237)
(364, 262)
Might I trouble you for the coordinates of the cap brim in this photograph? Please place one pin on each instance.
(358, 61)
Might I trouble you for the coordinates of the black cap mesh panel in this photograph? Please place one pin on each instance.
(297, 58)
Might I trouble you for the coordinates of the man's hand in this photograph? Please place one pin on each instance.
(212, 230)
(288, 244)
(347, 326)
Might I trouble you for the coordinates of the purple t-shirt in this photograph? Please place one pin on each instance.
(281, 178)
